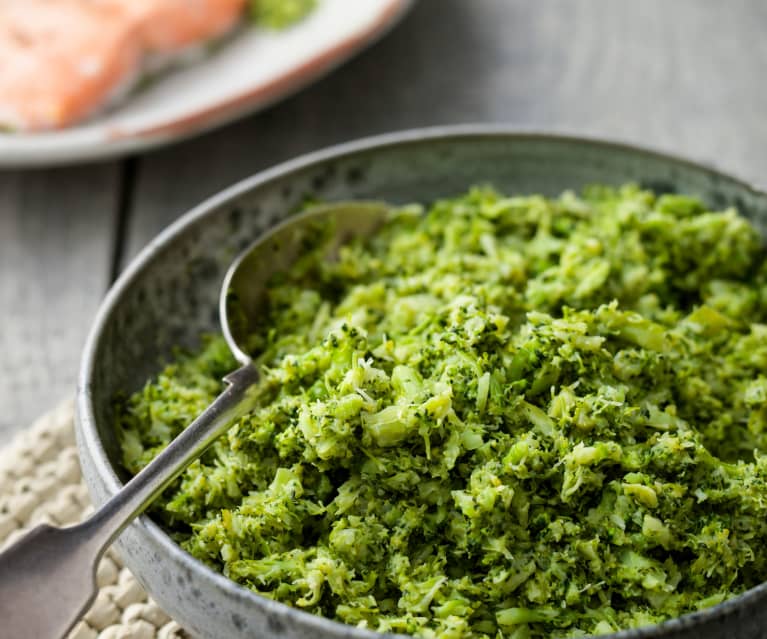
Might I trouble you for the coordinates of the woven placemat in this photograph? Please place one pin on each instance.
(40, 482)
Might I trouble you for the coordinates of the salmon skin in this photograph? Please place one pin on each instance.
(63, 60)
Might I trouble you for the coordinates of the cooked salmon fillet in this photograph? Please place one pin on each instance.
(168, 26)
(62, 60)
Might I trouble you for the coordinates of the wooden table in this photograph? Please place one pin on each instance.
(687, 76)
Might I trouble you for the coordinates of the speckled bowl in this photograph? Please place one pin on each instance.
(168, 296)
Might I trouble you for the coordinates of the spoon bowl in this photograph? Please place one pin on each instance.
(246, 281)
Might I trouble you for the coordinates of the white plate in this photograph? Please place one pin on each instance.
(252, 70)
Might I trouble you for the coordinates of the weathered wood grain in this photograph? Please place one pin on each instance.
(55, 251)
(684, 76)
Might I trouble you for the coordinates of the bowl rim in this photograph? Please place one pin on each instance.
(85, 421)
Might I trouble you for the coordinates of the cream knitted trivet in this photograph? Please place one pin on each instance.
(40, 482)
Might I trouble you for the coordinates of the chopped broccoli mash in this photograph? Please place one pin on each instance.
(502, 416)
(279, 14)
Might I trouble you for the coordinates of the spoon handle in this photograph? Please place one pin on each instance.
(47, 578)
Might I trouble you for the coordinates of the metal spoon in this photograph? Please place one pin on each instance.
(47, 578)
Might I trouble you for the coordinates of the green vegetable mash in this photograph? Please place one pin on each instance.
(503, 416)
(279, 14)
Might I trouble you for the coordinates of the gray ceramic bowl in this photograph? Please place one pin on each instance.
(168, 296)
